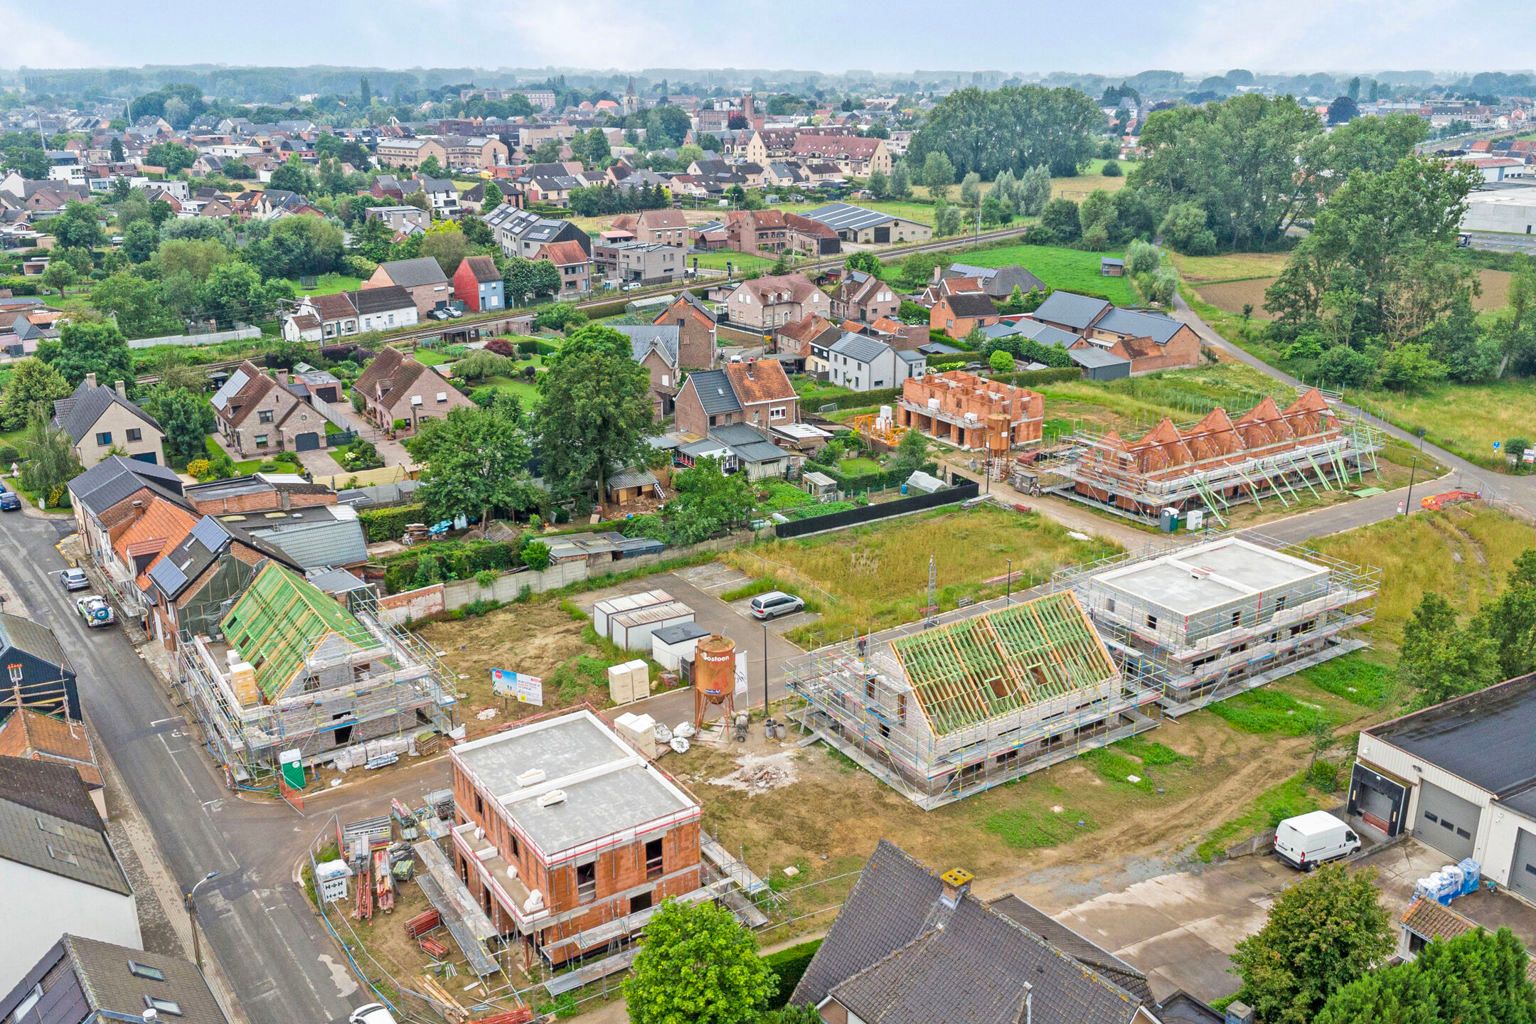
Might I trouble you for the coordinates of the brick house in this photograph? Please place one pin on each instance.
(1151, 341)
(567, 838)
(666, 227)
(757, 393)
(654, 346)
(855, 155)
(756, 231)
(696, 348)
(409, 153)
(396, 388)
(573, 263)
(769, 302)
(423, 278)
(959, 315)
(251, 411)
(477, 283)
(864, 297)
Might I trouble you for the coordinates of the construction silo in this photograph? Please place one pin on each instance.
(714, 676)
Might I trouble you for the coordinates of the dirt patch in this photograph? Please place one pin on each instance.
(1233, 295)
(1495, 290)
(760, 773)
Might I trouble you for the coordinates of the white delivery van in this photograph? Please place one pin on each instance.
(1308, 840)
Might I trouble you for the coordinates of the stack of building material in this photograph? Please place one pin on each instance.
(640, 732)
(628, 682)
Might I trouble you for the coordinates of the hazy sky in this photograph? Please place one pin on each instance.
(897, 35)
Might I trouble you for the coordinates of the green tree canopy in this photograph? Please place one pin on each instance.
(298, 246)
(697, 966)
(88, 346)
(1321, 934)
(1477, 976)
(78, 227)
(708, 502)
(187, 419)
(477, 463)
(1012, 128)
(50, 459)
(137, 304)
(173, 156)
(32, 384)
(595, 411)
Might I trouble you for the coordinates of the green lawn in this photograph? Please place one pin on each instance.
(430, 357)
(529, 393)
(328, 284)
(859, 467)
(739, 261)
(1070, 270)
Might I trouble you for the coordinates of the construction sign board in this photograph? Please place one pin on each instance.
(527, 689)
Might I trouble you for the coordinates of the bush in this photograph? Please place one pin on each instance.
(790, 965)
(535, 554)
(381, 524)
(1112, 169)
(8, 454)
(502, 347)
(198, 468)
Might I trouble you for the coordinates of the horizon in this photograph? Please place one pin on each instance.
(607, 36)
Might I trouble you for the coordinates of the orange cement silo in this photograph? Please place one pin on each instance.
(714, 677)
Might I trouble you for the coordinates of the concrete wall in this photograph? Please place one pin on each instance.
(242, 334)
(42, 906)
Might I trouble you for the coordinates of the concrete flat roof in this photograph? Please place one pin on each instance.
(1206, 576)
(609, 788)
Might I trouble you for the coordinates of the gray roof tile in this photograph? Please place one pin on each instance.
(1076, 311)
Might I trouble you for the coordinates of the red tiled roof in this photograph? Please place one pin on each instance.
(563, 254)
(761, 380)
(39, 737)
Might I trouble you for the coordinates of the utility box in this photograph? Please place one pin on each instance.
(331, 880)
(672, 645)
(1239, 1013)
(1194, 520)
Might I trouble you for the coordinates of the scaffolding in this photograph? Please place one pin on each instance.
(1266, 454)
(943, 713)
(1260, 625)
(369, 681)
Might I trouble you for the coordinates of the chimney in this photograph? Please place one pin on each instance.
(282, 377)
(90, 379)
(957, 882)
(122, 392)
(138, 508)
(751, 368)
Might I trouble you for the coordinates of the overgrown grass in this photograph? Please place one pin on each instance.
(328, 284)
(1367, 683)
(1149, 752)
(1138, 403)
(1462, 418)
(1231, 266)
(1036, 828)
(1271, 712)
(1269, 808)
(1117, 769)
(1073, 270)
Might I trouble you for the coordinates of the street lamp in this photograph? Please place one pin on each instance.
(1008, 592)
(768, 723)
(1412, 473)
(191, 908)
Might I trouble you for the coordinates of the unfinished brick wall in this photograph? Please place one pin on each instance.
(965, 401)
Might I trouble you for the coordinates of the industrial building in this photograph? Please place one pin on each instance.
(1461, 778)
(568, 838)
(1206, 621)
(1267, 453)
(971, 412)
(287, 669)
(942, 713)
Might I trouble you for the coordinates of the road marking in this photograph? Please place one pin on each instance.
(162, 721)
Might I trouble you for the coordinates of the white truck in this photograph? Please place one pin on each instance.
(1308, 840)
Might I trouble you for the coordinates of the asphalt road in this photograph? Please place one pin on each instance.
(1497, 241)
(282, 969)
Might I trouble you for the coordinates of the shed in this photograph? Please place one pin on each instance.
(631, 485)
(820, 485)
(673, 645)
(1109, 266)
(924, 483)
(604, 610)
(632, 630)
(1100, 364)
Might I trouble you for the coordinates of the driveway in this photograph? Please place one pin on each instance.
(319, 463)
(392, 452)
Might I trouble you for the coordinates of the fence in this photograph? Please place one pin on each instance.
(963, 491)
(213, 338)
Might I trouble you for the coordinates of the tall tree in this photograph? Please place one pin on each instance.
(477, 463)
(50, 460)
(186, 418)
(78, 227)
(938, 174)
(1321, 934)
(698, 966)
(32, 384)
(595, 411)
(708, 502)
(116, 151)
(59, 275)
(1012, 128)
(88, 346)
(1514, 333)
(1237, 159)
(137, 304)
(445, 242)
(901, 181)
(173, 156)
(493, 197)
(1034, 190)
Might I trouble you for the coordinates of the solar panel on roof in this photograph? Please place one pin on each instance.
(169, 578)
(210, 534)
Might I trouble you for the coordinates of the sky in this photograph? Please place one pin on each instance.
(898, 35)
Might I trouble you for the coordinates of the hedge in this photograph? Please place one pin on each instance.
(455, 560)
(790, 965)
(877, 396)
(872, 481)
(951, 359)
(21, 285)
(380, 524)
(1048, 376)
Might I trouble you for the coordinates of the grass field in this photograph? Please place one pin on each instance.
(1231, 266)
(876, 576)
(740, 261)
(1462, 418)
(1462, 552)
(328, 284)
(1137, 403)
(1067, 269)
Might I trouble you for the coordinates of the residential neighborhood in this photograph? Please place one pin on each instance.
(518, 517)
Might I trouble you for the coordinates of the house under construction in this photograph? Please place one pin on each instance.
(1202, 622)
(288, 668)
(942, 713)
(1266, 453)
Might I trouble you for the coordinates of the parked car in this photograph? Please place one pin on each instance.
(438, 314)
(95, 610)
(372, 1013)
(453, 314)
(775, 603)
(74, 579)
(10, 501)
(1308, 840)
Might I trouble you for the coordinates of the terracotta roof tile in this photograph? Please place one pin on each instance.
(761, 380)
(563, 254)
(39, 737)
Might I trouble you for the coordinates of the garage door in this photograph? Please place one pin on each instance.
(306, 442)
(1522, 868)
(1445, 821)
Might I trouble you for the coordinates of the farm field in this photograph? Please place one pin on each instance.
(1135, 404)
(1462, 418)
(1231, 295)
(1060, 268)
(875, 577)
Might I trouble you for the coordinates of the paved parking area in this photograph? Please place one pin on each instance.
(1181, 928)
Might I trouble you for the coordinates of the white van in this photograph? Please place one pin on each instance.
(1308, 840)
